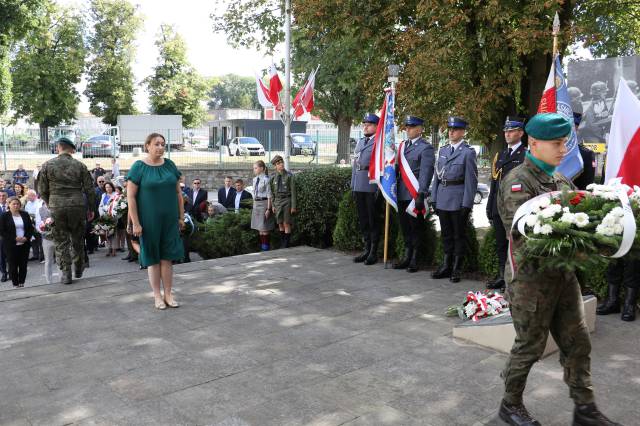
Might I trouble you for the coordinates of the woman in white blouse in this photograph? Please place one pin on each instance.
(17, 231)
(261, 218)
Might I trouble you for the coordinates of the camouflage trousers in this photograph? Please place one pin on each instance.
(68, 236)
(539, 307)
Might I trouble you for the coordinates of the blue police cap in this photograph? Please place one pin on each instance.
(513, 122)
(457, 123)
(371, 118)
(413, 121)
(577, 118)
(66, 141)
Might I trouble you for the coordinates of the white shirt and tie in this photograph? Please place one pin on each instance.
(195, 195)
(237, 201)
(513, 148)
(455, 146)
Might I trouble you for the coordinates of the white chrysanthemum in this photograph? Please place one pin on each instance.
(550, 211)
(581, 219)
(568, 218)
(566, 209)
(591, 186)
(470, 309)
(609, 220)
(618, 229)
(604, 230)
(544, 203)
(532, 220)
(546, 229)
(617, 211)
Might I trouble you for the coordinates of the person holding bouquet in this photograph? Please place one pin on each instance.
(543, 300)
(105, 203)
(44, 224)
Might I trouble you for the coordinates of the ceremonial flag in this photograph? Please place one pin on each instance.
(303, 102)
(555, 98)
(383, 156)
(623, 150)
(275, 86)
(263, 93)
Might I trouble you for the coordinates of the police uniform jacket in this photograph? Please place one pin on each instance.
(456, 181)
(421, 158)
(360, 168)
(503, 163)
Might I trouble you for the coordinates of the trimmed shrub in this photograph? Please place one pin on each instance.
(347, 236)
(488, 258)
(595, 280)
(319, 194)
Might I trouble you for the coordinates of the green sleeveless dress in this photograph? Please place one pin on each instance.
(158, 211)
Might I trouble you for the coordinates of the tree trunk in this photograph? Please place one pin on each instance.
(44, 136)
(344, 132)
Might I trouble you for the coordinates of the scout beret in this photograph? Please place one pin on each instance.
(275, 160)
(513, 122)
(548, 126)
(65, 140)
(371, 118)
(457, 123)
(413, 121)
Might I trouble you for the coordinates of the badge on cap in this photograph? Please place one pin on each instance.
(516, 187)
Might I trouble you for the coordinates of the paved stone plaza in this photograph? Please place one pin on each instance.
(291, 337)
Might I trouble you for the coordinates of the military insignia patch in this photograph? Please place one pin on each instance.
(516, 187)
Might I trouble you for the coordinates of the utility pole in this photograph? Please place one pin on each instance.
(287, 82)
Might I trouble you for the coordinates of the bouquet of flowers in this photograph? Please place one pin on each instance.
(118, 207)
(189, 227)
(104, 226)
(46, 227)
(573, 230)
(479, 305)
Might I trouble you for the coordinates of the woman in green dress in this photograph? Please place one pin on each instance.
(157, 215)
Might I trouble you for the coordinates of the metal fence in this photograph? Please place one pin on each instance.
(189, 148)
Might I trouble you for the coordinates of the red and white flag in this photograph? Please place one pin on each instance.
(275, 86)
(303, 102)
(263, 93)
(623, 150)
(548, 100)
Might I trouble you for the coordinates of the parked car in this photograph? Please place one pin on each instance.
(245, 145)
(481, 193)
(100, 146)
(302, 144)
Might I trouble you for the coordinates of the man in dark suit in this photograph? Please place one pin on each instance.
(227, 194)
(3, 255)
(197, 196)
(242, 199)
(503, 162)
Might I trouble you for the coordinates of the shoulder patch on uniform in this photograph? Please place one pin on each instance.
(516, 187)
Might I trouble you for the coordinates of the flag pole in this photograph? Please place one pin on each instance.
(287, 84)
(393, 71)
(556, 32)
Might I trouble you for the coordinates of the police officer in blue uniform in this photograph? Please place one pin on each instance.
(366, 195)
(420, 157)
(454, 188)
(503, 162)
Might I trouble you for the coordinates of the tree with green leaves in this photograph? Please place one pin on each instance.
(110, 79)
(47, 65)
(17, 17)
(233, 91)
(175, 86)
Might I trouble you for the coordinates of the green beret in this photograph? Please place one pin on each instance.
(65, 140)
(548, 126)
(275, 160)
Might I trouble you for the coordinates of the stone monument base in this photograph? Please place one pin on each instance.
(497, 332)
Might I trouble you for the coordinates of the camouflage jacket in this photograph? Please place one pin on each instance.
(66, 182)
(286, 190)
(521, 184)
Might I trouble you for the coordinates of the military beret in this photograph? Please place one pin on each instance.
(65, 140)
(457, 123)
(371, 118)
(275, 160)
(413, 121)
(548, 126)
(513, 122)
(577, 118)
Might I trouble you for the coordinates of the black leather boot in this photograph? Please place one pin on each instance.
(444, 271)
(589, 415)
(372, 258)
(65, 277)
(404, 263)
(516, 415)
(413, 262)
(611, 304)
(365, 253)
(498, 282)
(629, 310)
(456, 271)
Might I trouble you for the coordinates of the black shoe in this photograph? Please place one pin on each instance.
(127, 257)
(365, 253)
(142, 267)
(444, 270)
(413, 263)
(65, 277)
(78, 273)
(187, 260)
(589, 415)
(629, 311)
(456, 271)
(404, 263)
(372, 258)
(611, 304)
(516, 415)
(133, 259)
(4, 278)
(497, 284)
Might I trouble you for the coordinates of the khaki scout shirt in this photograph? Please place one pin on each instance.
(521, 184)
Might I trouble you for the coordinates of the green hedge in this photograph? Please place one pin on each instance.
(346, 235)
(488, 258)
(319, 194)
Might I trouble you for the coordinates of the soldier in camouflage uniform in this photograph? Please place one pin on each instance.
(283, 190)
(67, 188)
(544, 301)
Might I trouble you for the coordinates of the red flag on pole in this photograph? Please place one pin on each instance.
(275, 86)
(623, 150)
(303, 102)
